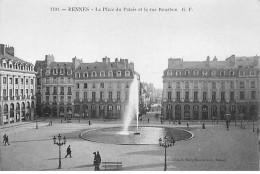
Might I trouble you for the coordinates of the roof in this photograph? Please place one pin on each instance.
(13, 58)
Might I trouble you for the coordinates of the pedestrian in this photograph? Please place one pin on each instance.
(203, 126)
(95, 159)
(6, 140)
(89, 123)
(98, 160)
(187, 124)
(148, 120)
(4, 137)
(227, 123)
(68, 152)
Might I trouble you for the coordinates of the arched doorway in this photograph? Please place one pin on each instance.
(178, 112)
(54, 112)
(101, 111)
(109, 111)
(169, 112)
(222, 112)
(11, 113)
(61, 111)
(118, 111)
(214, 112)
(93, 111)
(69, 112)
(5, 116)
(186, 112)
(205, 112)
(85, 111)
(195, 112)
(17, 112)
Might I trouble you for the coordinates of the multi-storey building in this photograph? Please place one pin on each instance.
(17, 87)
(194, 90)
(93, 90)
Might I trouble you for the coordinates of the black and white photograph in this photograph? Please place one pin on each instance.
(129, 85)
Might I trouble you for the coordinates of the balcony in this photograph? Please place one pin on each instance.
(62, 93)
(54, 93)
(12, 98)
(69, 103)
(47, 93)
(69, 93)
(54, 103)
(23, 97)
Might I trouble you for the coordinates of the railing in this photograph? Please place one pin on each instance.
(69, 93)
(47, 93)
(12, 98)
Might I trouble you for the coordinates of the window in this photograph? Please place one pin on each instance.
(195, 95)
(16, 81)
(222, 96)
(102, 74)
(62, 99)
(61, 71)
(47, 99)
(127, 85)
(241, 73)
(27, 81)
(85, 74)
(178, 73)
(77, 95)
(178, 85)
(178, 95)
(232, 85)
(110, 73)
(118, 107)
(118, 95)
(169, 85)
(94, 74)
(126, 95)
(93, 85)
(196, 85)
(54, 99)
(69, 71)
(127, 73)
(54, 80)
(54, 90)
(222, 73)
(205, 85)
(4, 92)
(48, 71)
(187, 85)
(242, 95)
(22, 92)
(169, 95)
(47, 80)
(213, 73)
(4, 80)
(77, 75)
(222, 85)
(69, 80)
(195, 72)
(253, 95)
(22, 81)
(62, 79)
(118, 85)
(252, 84)
(48, 90)
(204, 73)
(118, 73)
(213, 96)
(102, 85)
(61, 90)
(85, 85)
(242, 85)
(204, 95)
(69, 91)
(214, 85)
(110, 95)
(187, 95)
(169, 73)
(55, 72)
(16, 92)
(232, 95)
(187, 72)
(11, 81)
(101, 95)
(77, 85)
(85, 95)
(69, 99)
(252, 73)
(231, 73)
(93, 95)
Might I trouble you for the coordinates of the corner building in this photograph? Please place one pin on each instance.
(17, 87)
(204, 90)
(88, 90)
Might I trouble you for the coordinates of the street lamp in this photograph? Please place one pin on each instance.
(166, 142)
(59, 143)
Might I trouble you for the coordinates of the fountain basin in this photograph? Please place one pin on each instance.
(148, 135)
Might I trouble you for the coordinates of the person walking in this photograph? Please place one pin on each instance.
(68, 152)
(4, 137)
(95, 159)
(227, 123)
(187, 124)
(98, 160)
(148, 120)
(7, 140)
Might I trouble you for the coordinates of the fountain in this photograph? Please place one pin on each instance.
(132, 107)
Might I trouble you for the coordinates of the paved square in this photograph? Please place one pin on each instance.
(213, 148)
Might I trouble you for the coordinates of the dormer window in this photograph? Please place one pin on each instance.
(48, 71)
(69, 72)
(77, 75)
(85, 74)
(178, 73)
(196, 73)
(102, 74)
(127, 73)
(241, 73)
(55, 72)
(231, 73)
(187, 72)
(39, 71)
(213, 72)
(110, 73)
(5, 65)
(169, 73)
(169, 85)
(204, 72)
(118, 73)
(61, 71)
(94, 74)
(252, 73)
(222, 73)
(11, 65)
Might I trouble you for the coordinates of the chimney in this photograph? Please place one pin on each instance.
(215, 58)
(207, 61)
(6, 49)
(49, 59)
(76, 62)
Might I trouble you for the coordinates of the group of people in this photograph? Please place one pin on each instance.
(6, 139)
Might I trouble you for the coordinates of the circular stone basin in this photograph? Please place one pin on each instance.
(148, 135)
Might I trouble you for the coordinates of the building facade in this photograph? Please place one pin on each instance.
(17, 87)
(88, 90)
(210, 89)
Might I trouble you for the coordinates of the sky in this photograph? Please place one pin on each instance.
(148, 38)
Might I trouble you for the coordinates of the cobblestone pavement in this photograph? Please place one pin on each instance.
(213, 148)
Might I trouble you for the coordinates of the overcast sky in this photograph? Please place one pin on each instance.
(213, 27)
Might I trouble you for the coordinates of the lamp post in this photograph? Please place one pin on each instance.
(166, 142)
(59, 143)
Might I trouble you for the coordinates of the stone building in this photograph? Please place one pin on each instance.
(203, 90)
(17, 87)
(89, 90)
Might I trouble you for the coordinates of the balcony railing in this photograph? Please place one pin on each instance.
(69, 93)
(12, 98)
(47, 93)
